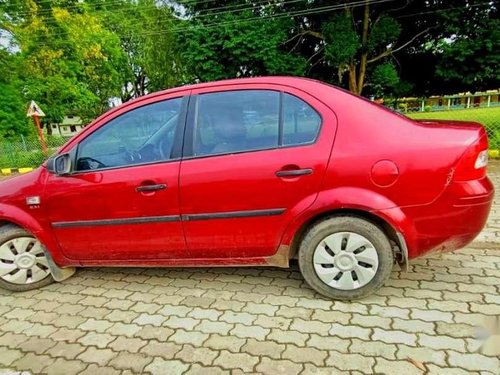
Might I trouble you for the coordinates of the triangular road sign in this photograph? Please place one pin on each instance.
(34, 110)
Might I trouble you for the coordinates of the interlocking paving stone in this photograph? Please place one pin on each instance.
(231, 343)
(270, 366)
(258, 320)
(259, 348)
(130, 361)
(166, 350)
(191, 354)
(95, 355)
(350, 362)
(298, 354)
(162, 366)
(197, 369)
(93, 369)
(372, 348)
(63, 366)
(7, 356)
(65, 350)
(33, 362)
(384, 366)
(243, 361)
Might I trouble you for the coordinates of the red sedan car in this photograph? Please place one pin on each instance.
(249, 172)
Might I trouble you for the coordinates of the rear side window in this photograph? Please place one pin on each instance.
(236, 121)
(248, 120)
(301, 122)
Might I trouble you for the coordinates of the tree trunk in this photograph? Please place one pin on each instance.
(49, 128)
(364, 54)
(353, 84)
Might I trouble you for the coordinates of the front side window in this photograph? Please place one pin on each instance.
(235, 121)
(143, 135)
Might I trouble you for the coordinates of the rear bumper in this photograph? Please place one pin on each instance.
(449, 223)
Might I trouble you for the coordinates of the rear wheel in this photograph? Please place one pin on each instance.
(345, 257)
(23, 265)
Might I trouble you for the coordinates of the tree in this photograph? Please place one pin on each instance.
(145, 29)
(356, 38)
(234, 42)
(13, 119)
(471, 52)
(69, 63)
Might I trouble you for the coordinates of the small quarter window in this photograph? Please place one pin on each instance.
(301, 122)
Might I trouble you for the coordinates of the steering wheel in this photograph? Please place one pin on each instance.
(132, 157)
(87, 163)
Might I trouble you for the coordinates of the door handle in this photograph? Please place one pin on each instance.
(149, 188)
(294, 172)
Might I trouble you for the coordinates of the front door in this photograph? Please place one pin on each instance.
(122, 200)
(254, 158)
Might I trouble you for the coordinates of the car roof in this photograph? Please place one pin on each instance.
(280, 80)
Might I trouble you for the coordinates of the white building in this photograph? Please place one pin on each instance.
(69, 126)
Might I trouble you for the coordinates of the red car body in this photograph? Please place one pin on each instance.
(416, 179)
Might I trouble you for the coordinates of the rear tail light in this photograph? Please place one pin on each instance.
(472, 164)
(482, 160)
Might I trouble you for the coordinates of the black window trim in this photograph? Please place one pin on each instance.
(192, 112)
(175, 153)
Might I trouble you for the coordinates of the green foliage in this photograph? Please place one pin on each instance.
(74, 56)
(70, 62)
(144, 29)
(12, 107)
(403, 107)
(385, 79)
(341, 40)
(238, 49)
(384, 32)
(18, 152)
(473, 56)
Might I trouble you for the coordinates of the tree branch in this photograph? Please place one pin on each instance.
(390, 51)
(316, 34)
(315, 54)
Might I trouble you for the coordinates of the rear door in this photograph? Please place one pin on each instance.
(254, 158)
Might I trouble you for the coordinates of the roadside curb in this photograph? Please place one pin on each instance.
(9, 171)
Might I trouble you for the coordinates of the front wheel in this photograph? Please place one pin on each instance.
(345, 257)
(23, 265)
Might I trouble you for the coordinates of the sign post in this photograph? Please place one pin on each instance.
(35, 112)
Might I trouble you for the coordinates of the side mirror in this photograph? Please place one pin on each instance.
(60, 165)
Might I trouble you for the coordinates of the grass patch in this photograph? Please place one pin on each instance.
(15, 154)
(489, 117)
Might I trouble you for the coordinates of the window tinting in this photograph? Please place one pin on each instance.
(143, 135)
(301, 122)
(236, 121)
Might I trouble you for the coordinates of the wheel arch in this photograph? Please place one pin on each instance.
(392, 233)
(58, 273)
(22, 219)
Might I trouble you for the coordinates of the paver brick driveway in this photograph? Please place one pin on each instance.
(209, 320)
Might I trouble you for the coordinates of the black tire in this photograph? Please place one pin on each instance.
(7, 233)
(335, 224)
